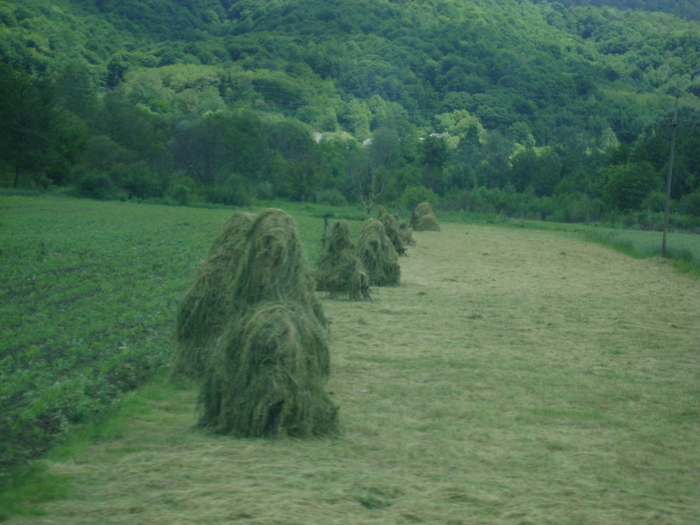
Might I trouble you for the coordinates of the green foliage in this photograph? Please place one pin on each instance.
(628, 185)
(528, 95)
(88, 293)
(414, 195)
(96, 186)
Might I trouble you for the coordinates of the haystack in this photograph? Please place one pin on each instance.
(206, 306)
(423, 219)
(405, 233)
(268, 368)
(378, 255)
(392, 227)
(269, 376)
(340, 270)
(274, 267)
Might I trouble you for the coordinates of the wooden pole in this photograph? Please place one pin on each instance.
(674, 124)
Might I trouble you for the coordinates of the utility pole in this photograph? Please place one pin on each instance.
(674, 124)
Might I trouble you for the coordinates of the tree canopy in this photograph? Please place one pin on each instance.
(226, 100)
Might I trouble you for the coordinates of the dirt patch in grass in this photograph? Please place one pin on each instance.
(513, 377)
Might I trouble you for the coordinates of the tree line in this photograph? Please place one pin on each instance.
(528, 109)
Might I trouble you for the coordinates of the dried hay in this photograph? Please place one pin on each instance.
(392, 227)
(423, 219)
(255, 258)
(406, 234)
(256, 334)
(269, 375)
(340, 270)
(378, 255)
(206, 306)
(274, 267)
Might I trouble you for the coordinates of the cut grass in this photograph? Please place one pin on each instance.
(516, 376)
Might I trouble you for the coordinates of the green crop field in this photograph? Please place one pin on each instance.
(517, 375)
(87, 295)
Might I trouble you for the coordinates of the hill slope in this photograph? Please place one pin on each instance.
(497, 77)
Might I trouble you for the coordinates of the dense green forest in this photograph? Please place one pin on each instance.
(537, 109)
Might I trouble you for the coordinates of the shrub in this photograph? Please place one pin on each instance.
(414, 195)
(332, 197)
(96, 186)
(690, 204)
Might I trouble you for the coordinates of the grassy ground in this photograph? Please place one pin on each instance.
(682, 246)
(516, 376)
(88, 292)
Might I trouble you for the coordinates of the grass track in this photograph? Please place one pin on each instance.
(516, 376)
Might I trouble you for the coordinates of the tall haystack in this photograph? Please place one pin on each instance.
(378, 255)
(423, 219)
(274, 267)
(392, 228)
(269, 376)
(269, 367)
(340, 270)
(206, 306)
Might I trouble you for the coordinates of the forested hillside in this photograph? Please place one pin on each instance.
(683, 8)
(534, 109)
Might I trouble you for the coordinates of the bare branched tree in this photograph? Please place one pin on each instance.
(373, 190)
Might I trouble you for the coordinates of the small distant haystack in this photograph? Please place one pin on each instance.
(423, 219)
(340, 270)
(206, 306)
(392, 227)
(269, 375)
(405, 233)
(378, 255)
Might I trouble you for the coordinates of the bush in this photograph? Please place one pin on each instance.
(138, 181)
(233, 192)
(690, 204)
(628, 185)
(96, 186)
(414, 195)
(332, 197)
(181, 194)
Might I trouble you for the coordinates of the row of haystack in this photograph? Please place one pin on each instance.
(252, 331)
(346, 268)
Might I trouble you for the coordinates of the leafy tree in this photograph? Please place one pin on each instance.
(627, 185)
(23, 137)
(75, 90)
(524, 167)
(300, 174)
(494, 165)
(434, 156)
(201, 148)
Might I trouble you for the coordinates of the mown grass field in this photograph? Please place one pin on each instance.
(516, 376)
